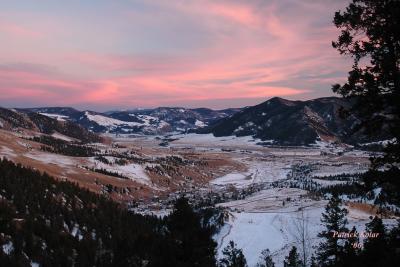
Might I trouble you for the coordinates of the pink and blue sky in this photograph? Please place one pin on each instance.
(101, 55)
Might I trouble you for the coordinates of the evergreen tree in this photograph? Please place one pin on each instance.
(266, 259)
(351, 250)
(334, 220)
(394, 245)
(313, 262)
(194, 241)
(233, 257)
(376, 248)
(293, 259)
(370, 34)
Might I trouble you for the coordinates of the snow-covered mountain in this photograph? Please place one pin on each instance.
(142, 121)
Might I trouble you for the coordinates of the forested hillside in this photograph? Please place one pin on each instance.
(51, 223)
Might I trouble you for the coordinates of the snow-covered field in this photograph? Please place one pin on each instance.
(209, 140)
(133, 171)
(263, 222)
(255, 232)
(259, 170)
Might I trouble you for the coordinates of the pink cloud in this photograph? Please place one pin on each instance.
(238, 13)
(248, 50)
(18, 30)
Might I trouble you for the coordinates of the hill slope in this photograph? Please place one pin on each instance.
(12, 119)
(286, 122)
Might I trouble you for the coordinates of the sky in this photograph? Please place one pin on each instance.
(121, 54)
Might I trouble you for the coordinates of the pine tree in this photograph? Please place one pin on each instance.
(376, 248)
(394, 245)
(233, 257)
(351, 251)
(194, 241)
(266, 259)
(370, 35)
(293, 259)
(313, 262)
(334, 219)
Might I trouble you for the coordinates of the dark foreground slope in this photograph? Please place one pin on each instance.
(54, 223)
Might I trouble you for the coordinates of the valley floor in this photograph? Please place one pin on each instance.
(264, 190)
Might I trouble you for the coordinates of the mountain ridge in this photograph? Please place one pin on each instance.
(279, 121)
(159, 120)
(286, 122)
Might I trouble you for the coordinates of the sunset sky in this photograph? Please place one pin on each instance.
(122, 54)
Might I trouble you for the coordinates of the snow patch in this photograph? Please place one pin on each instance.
(209, 140)
(62, 137)
(107, 121)
(55, 116)
(51, 158)
(133, 171)
(199, 123)
(8, 248)
(5, 151)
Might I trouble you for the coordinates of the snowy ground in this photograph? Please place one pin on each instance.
(262, 222)
(259, 170)
(7, 152)
(49, 158)
(254, 232)
(133, 171)
(63, 137)
(209, 140)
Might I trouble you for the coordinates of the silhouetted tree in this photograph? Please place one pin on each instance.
(375, 247)
(351, 250)
(334, 220)
(394, 245)
(193, 241)
(370, 34)
(233, 257)
(293, 259)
